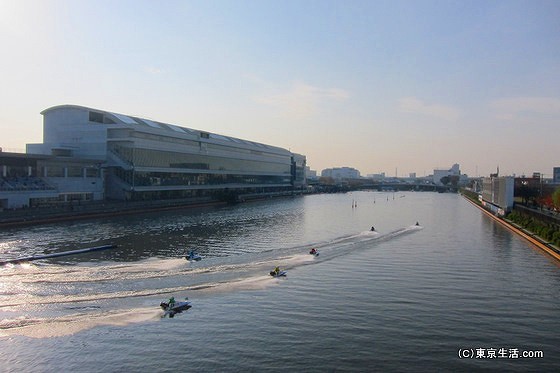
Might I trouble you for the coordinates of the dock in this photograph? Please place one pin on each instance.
(54, 255)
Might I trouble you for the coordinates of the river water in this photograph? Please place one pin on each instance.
(458, 292)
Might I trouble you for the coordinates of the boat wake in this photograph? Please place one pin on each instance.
(60, 299)
(49, 327)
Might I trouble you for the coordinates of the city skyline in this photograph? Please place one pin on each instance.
(377, 86)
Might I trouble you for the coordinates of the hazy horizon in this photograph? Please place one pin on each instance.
(380, 86)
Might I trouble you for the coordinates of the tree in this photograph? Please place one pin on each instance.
(526, 192)
(326, 180)
(454, 180)
(556, 199)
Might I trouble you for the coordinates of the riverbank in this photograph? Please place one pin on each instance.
(91, 210)
(520, 231)
(34, 216)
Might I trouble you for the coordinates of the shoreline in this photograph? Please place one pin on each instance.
(520, 231)
(29, 217)
(107, 210)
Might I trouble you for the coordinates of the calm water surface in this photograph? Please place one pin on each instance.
(403, 298)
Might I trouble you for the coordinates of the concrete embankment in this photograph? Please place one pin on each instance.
(532, 238)
(43, 215)
(34, 216)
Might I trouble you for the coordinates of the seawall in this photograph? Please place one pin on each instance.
(32, 216)
(532, 238)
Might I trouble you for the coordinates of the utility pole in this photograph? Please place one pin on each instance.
(541, 199)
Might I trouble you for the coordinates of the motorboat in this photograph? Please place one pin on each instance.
(314, 252)
(193, 256)
(278, 274)
(177, 307)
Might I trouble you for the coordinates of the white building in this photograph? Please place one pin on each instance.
(380, 176)
(310, 174)
(143, 159)
(339, 173)
(497, 194)
(36, 180)
(441, 173)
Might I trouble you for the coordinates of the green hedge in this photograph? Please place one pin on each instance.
(548, 232)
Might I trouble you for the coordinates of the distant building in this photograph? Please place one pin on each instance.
(380, 176)
(439, 174)
(497, 194)
(310, 174)
(556, 175)
(299, 165)
(339, 173)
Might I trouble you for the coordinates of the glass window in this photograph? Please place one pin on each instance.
(55, 171)
(92, 172)
(125, 119)
(95, 117)
(157, 158)
(74, 171)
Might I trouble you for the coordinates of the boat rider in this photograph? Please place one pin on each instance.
(372, 229)
(417, 223)
(277, 270)
(171, 302)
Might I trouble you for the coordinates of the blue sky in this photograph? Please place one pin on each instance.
(381, 86)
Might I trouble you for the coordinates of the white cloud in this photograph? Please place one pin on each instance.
(303, 100)
(416, 106)
(515, 107)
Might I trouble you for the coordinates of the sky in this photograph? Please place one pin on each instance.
(381, 86)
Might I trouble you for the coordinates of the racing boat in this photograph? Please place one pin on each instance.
(177, 307)
(314, 252)
(193, 256)
(278, 274)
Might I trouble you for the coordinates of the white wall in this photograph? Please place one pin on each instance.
(71, 128)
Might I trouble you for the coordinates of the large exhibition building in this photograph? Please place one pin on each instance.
(93, 154)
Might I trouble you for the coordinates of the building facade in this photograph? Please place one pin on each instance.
(28, 180)
(339, 173)
(142, 159)
(440, 174)
(497, 194)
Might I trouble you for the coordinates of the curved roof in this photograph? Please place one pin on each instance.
(134, 121)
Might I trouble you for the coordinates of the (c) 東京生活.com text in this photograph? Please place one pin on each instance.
(498, 353)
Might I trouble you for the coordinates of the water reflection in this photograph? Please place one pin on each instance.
(217, 231)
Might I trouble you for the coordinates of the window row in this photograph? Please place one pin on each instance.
(180, 179)
(162, 159)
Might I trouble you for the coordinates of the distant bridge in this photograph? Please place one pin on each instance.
(360, 184)
(401, 187)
